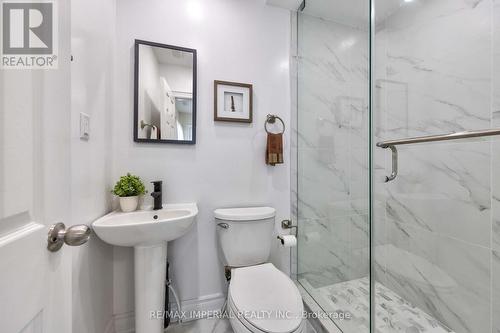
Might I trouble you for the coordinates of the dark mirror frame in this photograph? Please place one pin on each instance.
(139, 42)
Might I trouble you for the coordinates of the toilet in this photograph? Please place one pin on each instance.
(261, 298)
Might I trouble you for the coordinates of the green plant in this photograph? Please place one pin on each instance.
(129, 186)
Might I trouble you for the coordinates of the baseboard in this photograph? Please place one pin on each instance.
(125, 322)
(207, 303)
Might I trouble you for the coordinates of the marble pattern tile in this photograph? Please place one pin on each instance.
(495, 80)
(495, 122)
(437, 70)
(430, 49)
(441, 275)
(444, 188)
(495, 194)
(324, 253)
(332, 151)
(434, 74)
(466, 263)
(393, 313)
(495, 273)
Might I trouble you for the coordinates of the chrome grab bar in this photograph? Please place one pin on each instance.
(394, 172)
(441, 137)
(429, 138)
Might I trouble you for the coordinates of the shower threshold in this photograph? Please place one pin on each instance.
(393, 314)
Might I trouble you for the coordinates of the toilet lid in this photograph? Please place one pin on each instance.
(267, 298)
(244, 214)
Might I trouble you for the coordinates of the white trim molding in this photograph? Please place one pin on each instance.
(202, 304)
(125, 322)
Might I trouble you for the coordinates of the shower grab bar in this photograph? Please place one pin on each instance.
(429, 138)
(441, 137)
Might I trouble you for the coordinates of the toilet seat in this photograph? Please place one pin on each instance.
(265, 300)
(241, 325)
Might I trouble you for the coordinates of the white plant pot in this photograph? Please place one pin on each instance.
(129, 204)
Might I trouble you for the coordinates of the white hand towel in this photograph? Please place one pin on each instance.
(154, 133)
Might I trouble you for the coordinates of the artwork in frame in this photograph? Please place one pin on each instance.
(232, 101)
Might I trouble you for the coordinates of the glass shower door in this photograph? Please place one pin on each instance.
(436, 228)
(332, 127)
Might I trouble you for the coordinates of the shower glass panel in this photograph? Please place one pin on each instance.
(332, 144)
(436, 227)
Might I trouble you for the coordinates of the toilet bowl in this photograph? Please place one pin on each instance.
(261, 298)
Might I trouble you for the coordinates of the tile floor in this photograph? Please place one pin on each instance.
(393, 313)
(201, 326)
(207, 326)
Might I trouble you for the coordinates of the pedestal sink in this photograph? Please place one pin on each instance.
(148, 231)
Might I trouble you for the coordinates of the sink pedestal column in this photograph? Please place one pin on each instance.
(150, 274)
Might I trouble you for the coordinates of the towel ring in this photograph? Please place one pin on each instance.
(271, 119)
(143, 124)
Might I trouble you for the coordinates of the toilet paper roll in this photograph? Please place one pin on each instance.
(288, 240)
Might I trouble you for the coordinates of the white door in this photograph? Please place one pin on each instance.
(35, 284)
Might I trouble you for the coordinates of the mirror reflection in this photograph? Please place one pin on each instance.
(165, 93)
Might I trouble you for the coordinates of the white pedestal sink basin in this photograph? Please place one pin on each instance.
(148, 231)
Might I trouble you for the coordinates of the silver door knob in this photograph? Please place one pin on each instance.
(73, 236)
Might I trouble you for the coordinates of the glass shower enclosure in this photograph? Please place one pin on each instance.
(332, 127)
(421, 252)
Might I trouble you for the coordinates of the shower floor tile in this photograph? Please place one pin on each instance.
(393, 313)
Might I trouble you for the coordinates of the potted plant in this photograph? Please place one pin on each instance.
(129, 188)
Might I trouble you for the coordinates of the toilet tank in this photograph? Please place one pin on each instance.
(245, 234)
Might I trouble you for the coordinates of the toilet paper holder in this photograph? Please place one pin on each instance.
(287, 224)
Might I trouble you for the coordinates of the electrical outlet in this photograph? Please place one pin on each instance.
(84, 126)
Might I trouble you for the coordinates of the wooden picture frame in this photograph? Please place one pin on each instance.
(233, 102)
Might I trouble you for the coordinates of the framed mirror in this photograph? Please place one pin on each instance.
(164, 93)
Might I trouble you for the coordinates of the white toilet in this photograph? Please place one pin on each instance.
(261, 298)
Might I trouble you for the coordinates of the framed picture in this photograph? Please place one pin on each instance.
(232, 102)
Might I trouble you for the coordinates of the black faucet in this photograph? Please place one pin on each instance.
(156, 194)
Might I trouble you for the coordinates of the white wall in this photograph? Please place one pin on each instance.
(237, 40)
(92, 24)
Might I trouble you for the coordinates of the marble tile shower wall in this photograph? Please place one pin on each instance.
(437, 226)
(332, 152)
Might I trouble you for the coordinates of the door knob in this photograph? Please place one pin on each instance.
(73, 236)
